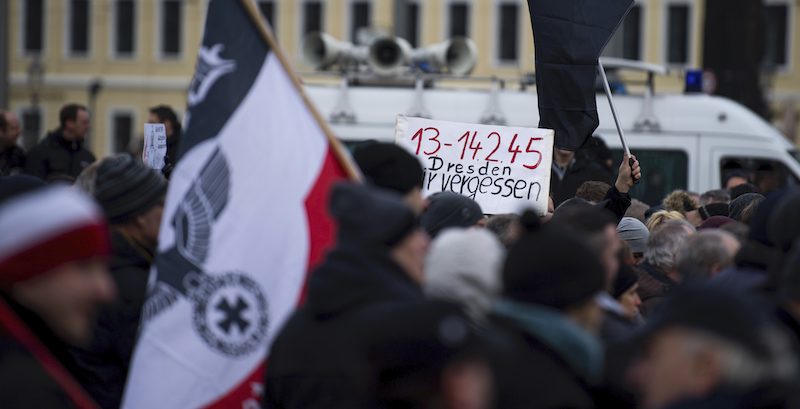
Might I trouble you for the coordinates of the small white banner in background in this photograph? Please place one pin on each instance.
(155, 146)
(505, 169)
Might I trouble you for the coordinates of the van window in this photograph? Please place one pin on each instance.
(662, 172)
(767, 174)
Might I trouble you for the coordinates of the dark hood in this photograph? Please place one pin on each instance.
(359, 270)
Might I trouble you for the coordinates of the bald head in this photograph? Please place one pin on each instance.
(9, 128)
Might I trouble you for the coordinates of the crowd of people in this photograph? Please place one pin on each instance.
(424, 302)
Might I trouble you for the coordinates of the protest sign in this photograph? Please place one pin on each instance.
(505, 169)
(155, 145)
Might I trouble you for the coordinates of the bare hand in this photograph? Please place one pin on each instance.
(627, 174)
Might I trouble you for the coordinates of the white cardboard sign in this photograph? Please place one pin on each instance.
(155, 146)
(505, 169)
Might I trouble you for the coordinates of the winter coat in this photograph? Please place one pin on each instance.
(531, 372)
(616, 202)
(56, 155)
(12, 160)
(654, 287)
(358, 301)
(25, 382)
(617, 328)
(103, 365)
(580, 171)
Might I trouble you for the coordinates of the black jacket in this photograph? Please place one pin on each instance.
(359, 301)
(24, 381)
(56, 155)
(103, 365)
(530, 374)
(580, 171)
(12, 160)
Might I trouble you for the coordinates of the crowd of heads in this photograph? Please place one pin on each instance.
(603, 302)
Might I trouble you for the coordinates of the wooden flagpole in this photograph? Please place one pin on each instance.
(338, 148)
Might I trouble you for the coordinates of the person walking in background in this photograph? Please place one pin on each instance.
(12, 157)
(62, 152)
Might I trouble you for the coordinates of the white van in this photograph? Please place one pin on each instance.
(683, 141)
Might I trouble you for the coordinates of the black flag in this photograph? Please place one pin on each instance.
(569, 36)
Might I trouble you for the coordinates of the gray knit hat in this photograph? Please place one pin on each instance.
(634, 232)
(737, 205)
(126, 188)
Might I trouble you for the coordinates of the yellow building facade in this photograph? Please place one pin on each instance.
(136, 54)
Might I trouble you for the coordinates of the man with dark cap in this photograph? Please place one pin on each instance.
(132, 197)
(392, 167)
(735, 178)
(448, 209)
(365, 295)
(53, 278)
(713, 349)
(544, 351)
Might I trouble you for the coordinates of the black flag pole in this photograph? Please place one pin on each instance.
(613, 107)
(614, 114)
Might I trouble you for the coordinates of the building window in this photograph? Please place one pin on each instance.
(171, 21)
(79, 27)
(268, 11)
(124, 29)
(507, 32)
(459, 19)
(34, 26)
(776, 34)
(412, 24)
(678, 34)
(122, 129)
(632, 34)
(360, 19)
(312, 17)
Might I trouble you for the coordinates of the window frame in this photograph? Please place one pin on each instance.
(495, 52)
(786, 68)
(160, 33)
(68, 31)
(642, 32)
(349, 33)
(113, 53)
(275, 12)
(448, 28)
(691, 34)
(111, 113)
(22, 18)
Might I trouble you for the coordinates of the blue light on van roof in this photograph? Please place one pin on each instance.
(694, 81)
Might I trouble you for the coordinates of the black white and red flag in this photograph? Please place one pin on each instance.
(245, 219)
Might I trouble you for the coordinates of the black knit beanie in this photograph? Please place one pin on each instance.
(626, 278)
(552, 267)
(126, 188)
(713, 209)
(371, 215)
(389, 166)
(448, 209)
(737, 205)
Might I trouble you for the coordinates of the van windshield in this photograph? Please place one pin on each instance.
(663, 171)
